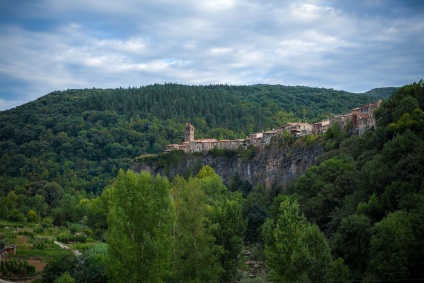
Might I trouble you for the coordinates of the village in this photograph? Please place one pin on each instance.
(358, 120)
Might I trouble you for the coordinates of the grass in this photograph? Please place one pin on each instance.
(27, 236)
(50, 251)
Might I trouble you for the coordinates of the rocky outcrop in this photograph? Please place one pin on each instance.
(275, 164)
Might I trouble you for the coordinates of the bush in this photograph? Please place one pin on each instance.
(67, 238)
(58, 265)
(65, 278)
(47, 222)
(40, 243)
(26, 232)
(74, 227)
(17, 216)
(16, 268)
(32, 216)
(38, 229)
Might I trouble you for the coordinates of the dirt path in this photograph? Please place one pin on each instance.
(63, 246)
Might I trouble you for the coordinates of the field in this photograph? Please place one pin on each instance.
(36, 243)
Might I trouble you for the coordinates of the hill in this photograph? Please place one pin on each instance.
(79, 138)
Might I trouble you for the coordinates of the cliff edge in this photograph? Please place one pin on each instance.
(275, 164)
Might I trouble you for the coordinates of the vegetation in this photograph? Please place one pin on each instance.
(140, 222)
(193, 228)
(79, 139)
(366, 194)
(355, 216)
(16, 268)
(296, 250)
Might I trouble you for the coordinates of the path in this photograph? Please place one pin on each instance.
(76, 252)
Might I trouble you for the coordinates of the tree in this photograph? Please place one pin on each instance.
(139, 235)
(295, 250)
(196, 256)
(65, 278)
(32, 216)
(392, 244)
(225, 213)
(58, 265)
(352, 242)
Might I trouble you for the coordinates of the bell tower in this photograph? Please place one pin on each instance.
(189, 133)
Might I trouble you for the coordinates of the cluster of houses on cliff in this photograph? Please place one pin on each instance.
(358, 121)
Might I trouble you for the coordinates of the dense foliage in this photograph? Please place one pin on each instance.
(188, 231)
(357, 215)
(79, 139)
(367, 193)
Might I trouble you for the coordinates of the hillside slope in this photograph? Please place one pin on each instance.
(79, 139)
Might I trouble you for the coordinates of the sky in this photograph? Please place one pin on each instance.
(48, 45)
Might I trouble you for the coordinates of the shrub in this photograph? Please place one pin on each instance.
(67, 238)
(17, 216)
(16, 268)
(32, 216)
(47, 222)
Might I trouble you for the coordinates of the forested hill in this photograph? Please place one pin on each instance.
(80, 138)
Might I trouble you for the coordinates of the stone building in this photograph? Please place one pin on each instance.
(343, 121)
(189, 133)
(297, 129)
(320, 127)
(360, 119)
(363, 117)
(268, 135)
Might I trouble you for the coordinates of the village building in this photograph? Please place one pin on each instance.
(360, 119)
(202, 145)
(343, 121)
(320, 127)
(268, 135)
(189, 133)
(297, 129)
(363, 117)
(256, 139)
(7, 249)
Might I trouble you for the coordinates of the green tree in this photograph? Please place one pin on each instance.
(295, 250)
(196, 256)
(32, 216)
(227, 223)
(58, 265)
(141, 216)
(392, 244)
(352, 242)
(65, 278)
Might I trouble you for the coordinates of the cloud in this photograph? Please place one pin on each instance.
(49, 45)
(9, 104)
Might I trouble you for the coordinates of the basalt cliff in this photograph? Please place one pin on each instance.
(273, 165)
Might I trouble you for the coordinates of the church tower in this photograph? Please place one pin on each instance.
(189, 133)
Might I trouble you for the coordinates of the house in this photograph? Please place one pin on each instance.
(256, 139)
(7, 249)
(297, 129)
(363, 117)
(268, 135)
(10, 249)
(171, 147)
(360, 119)
(320, 127)
(343, 121)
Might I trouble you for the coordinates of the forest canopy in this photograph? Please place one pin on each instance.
(357, 215)
(80, 138)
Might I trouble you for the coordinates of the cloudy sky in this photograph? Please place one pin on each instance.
(48, 45)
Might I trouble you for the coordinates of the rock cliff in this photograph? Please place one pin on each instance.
(275, 164)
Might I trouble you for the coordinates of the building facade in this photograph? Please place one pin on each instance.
(357, 121)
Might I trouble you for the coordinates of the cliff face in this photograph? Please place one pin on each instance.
(275, 164)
